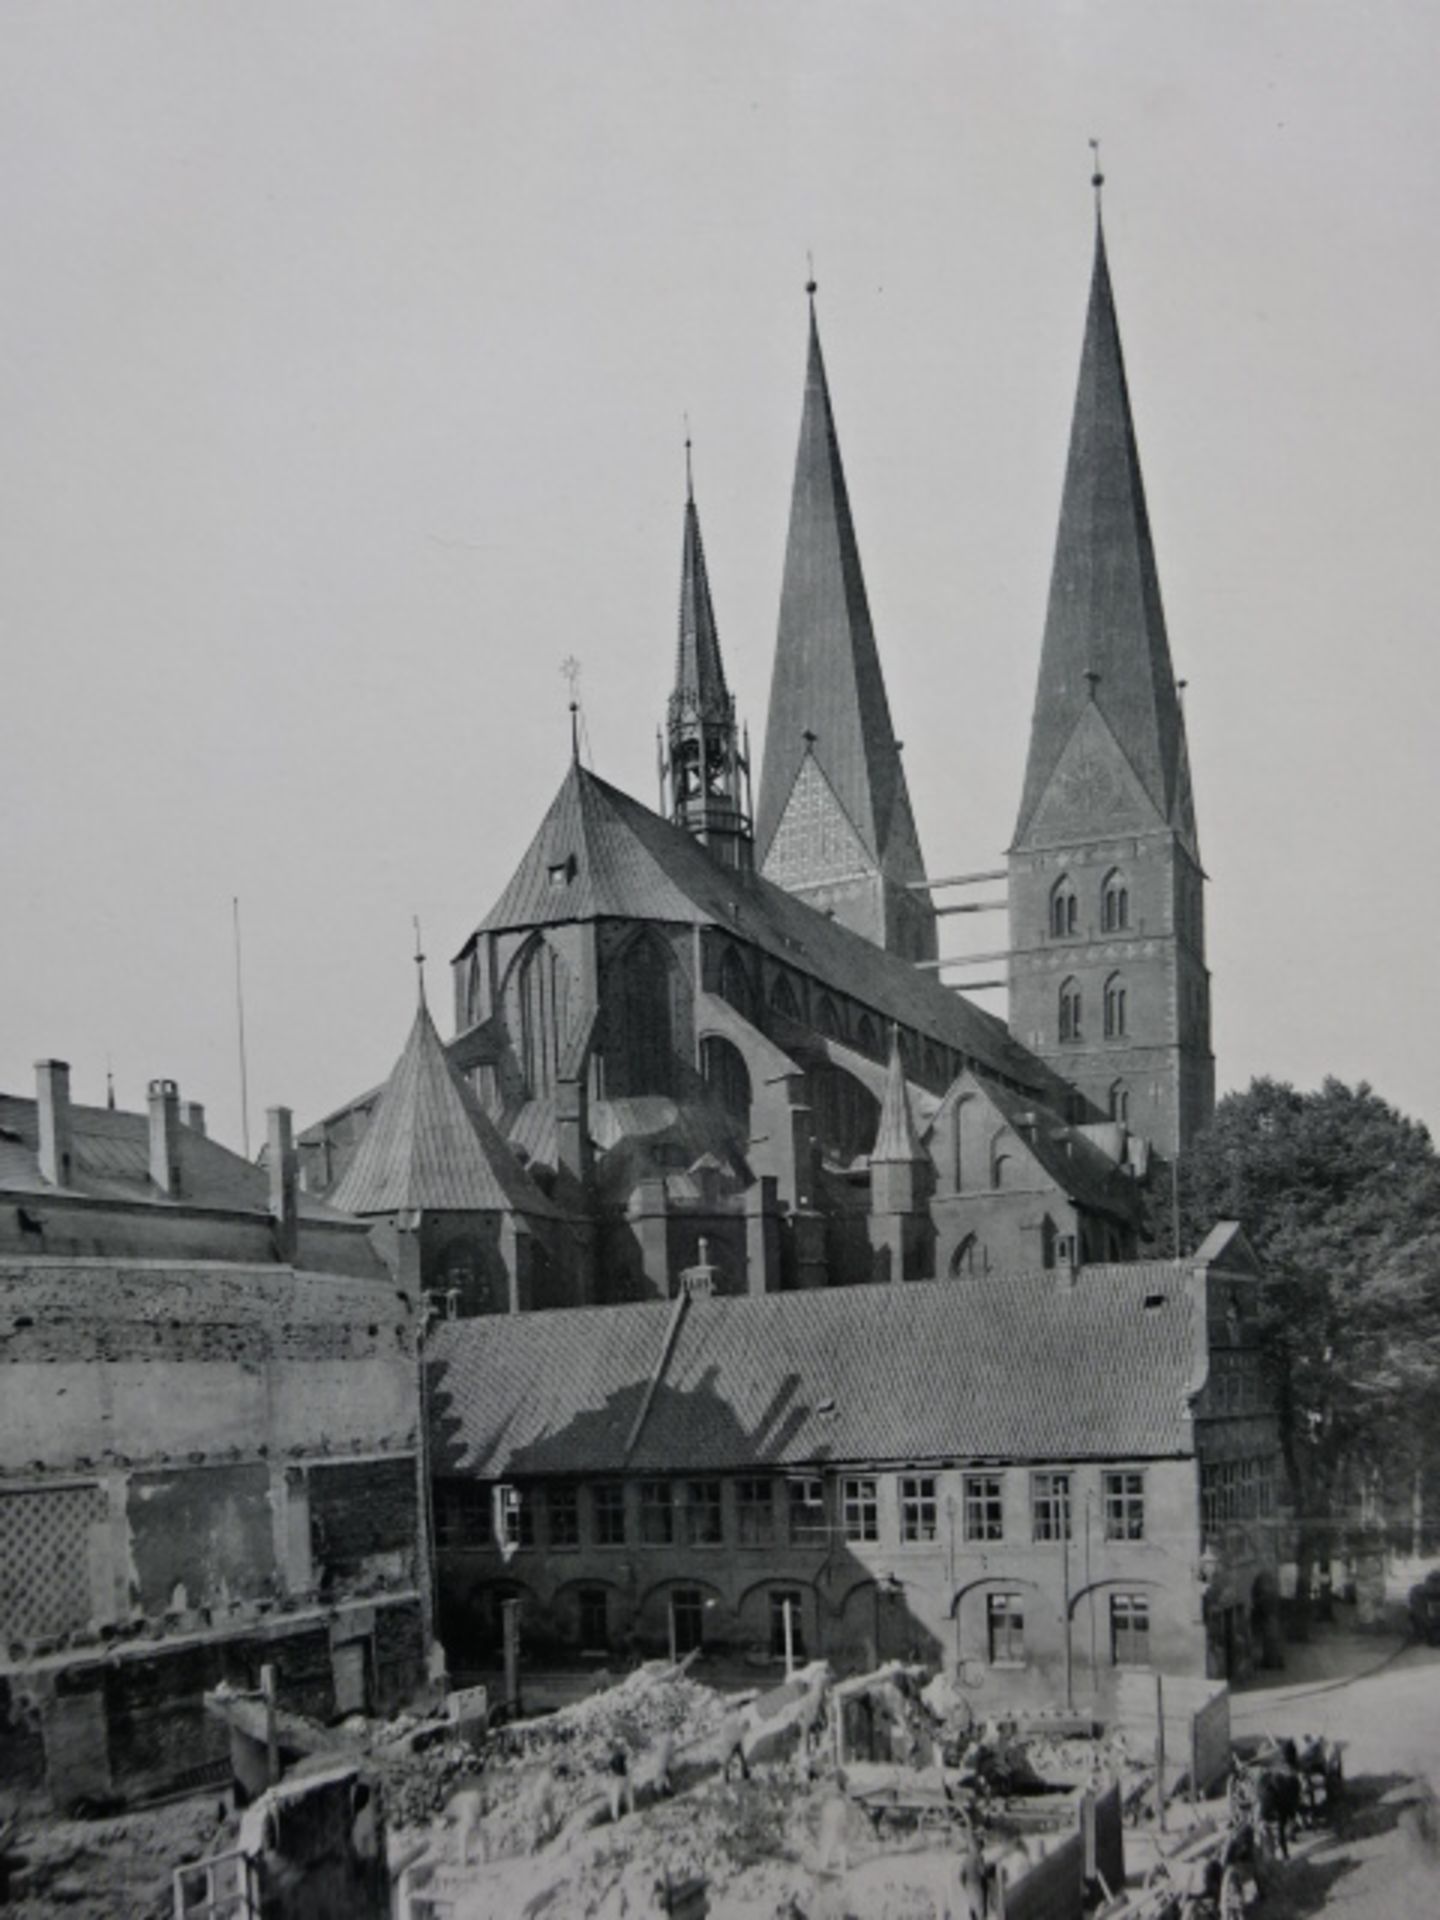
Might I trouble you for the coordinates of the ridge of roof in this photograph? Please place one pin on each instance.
(1105, 638)
(429, 1145)
(827, 680)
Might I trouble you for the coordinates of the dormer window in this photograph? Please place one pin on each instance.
(1064, 909)
(1114, 903)
(562, 872)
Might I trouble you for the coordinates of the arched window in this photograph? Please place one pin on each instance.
(735, 985)
(843, 1114)
(1000, 1158)
(782, 998)
(968, 1259)
(1070, 1009)
(537, 1006)
(1064, 909)
(723, 1066)
(1115, 1008)
(1114, 903)
(865, 1036)
(640, 1050)
(826, 1018)
(1120, 1102)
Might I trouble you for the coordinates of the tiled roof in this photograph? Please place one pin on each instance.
(110, 1160)
(924, 1371)
(630, 864)
(1076, 1165)
(1105, 616)
(827, 680)
(429, 1145)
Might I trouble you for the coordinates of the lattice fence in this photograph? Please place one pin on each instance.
(45, 1560)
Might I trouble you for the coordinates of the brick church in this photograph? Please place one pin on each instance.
(713, 1041)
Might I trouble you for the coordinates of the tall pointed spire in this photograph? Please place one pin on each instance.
(1105, 639)
(833, 787)
(896, 1141)
(705, 767)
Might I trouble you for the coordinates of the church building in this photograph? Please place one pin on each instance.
(716, 1039)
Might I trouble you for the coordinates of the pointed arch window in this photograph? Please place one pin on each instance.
(782, 998)
(1115, 998)
(865, 1035)
(1064, 909)
(826, 1018)
(1114, 902)
(1070, 1009)
(734, 984)
(968, 1259)
(1120, 1103)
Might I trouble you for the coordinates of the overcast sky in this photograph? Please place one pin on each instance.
(344, 351)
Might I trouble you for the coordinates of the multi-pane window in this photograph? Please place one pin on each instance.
(1124, 1506)
(562, 1507)
(1115, 905)
(755, 1511)
(702, 1526)
(862, 1509)
(657, 1513)
(1115, 1008)
(1064, 910)
(1070, 1010)
(984, 1507)
(607, 1507)
(1005, 1622)
(781, 1600)
(807, 1512)
(517, 1517)
(917, 1507)
(1050, 1506)
(1130, 1629)
(462, 1513)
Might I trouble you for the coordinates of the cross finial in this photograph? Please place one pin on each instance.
(811, 284)
(689, 473)
(419, 958)
(570, 667)
(1097, 178)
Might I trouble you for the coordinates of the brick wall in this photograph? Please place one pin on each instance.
(363, 1522)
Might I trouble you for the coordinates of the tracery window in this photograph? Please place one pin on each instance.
(1064, 909)
(1114, 903)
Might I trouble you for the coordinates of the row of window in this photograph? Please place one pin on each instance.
(769, 1511)
(1129, 1629)
(1065, 906)
(1236, 1490)
(1114, 1006)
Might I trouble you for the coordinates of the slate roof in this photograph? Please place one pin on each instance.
(1105, 613)
(630, 864)
(930, 1370)
(827, 679)
(110, 1160)
(430, 1146)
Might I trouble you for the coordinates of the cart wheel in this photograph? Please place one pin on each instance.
(1232, 1896)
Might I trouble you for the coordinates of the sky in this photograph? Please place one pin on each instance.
(344, 355)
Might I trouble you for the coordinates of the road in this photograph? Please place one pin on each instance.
(1385, 1862)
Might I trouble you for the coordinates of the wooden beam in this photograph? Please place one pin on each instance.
(963, 960)
(972, 986)
(959, 880)
(975, 906)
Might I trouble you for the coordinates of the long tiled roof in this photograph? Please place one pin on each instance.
(429, 1145)
(631, 864)
(925, 1371)
(110, 1160)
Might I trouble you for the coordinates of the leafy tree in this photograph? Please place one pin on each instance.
(1340, 1194)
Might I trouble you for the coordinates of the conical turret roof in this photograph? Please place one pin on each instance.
(431, 1147)
(700, 689)
(827, 690)
(1105, 636)
(896, 1141)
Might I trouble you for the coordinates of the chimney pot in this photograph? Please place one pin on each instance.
(165, 1136)
(282, 1163)
(52, 1104)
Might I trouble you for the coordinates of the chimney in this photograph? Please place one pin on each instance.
(283, 1164)
(165, 1136)
(192, 1115)
(52, 1105)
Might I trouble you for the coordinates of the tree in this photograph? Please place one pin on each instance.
(1340, 1194)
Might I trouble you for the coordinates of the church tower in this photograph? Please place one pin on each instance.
(704, 769)
(835, 825)
(1108, 981)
